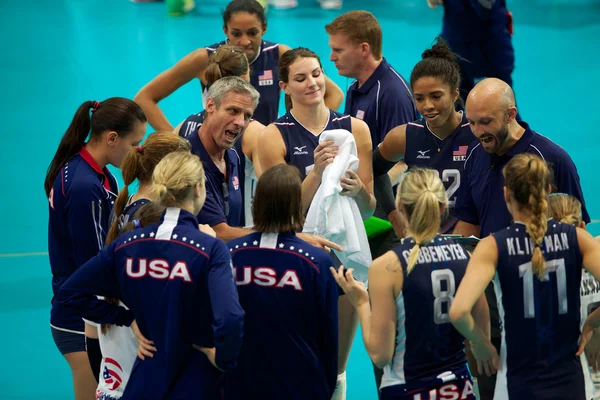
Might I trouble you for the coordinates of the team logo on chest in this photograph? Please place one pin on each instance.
(299, 150)
(236, 183)
(423, 154)
(459, 153)
(265, 78)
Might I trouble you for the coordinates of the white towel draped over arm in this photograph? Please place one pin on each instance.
(336, 217)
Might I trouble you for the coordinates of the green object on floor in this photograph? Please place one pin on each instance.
(376, 226)
(175, 8)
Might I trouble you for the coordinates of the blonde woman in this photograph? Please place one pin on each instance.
(536, 265)
(177, 283)
(404, 316)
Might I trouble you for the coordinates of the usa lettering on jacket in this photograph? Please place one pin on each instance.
(157, 269)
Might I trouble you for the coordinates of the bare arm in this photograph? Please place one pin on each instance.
(466, 229)
(468, 303)
(396, 172)
(250, 142)
(334, 96)
(189, 67)
(480, 272)
(377, 320)
(365, 198)
(227, 233)
(270, 148)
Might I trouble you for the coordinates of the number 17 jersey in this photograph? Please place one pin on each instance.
(540, 317)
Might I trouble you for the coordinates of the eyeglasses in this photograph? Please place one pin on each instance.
(226, 198)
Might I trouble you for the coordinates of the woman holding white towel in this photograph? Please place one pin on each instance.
(294, 139)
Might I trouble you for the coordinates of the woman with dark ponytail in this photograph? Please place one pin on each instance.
(81, 192)
(537, 264)
(439, 140)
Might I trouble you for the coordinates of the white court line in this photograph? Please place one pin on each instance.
(30, 254)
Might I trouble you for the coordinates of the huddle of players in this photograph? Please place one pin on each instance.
(176, 281)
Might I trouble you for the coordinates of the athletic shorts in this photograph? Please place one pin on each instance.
(68, 342)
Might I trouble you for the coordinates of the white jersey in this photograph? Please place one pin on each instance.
(119, 352)
(590, 300)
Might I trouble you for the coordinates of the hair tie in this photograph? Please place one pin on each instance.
(95, 106)
(136, 223)
(538, 245)
(139, 149)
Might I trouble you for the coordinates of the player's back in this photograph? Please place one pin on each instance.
(427, 345)
(540, 317)
(168, 274)
(290, 328)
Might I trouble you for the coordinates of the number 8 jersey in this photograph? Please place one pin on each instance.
(427, 347)
(540, 317)
(446, 156)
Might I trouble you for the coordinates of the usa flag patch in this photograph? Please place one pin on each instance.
(265, 78)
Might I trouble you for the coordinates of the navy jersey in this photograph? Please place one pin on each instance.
(224, 199)
(427, 344)
(177, 282)
(264, 76)
(128, 212)
(541, 317)
(480, 198)
(290, 329)
(384, 102)
(300, 143)
(80, 204)
(446, 156)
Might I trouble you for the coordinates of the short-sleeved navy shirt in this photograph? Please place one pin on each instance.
(480, 199)
(224, 202)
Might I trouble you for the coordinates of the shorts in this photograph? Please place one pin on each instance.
(68, 342)
(454, 385)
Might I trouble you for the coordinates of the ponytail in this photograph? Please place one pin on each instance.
(227, 60)
(148, 214)
(70, 144)
(93, 118)
(527, 178)
(422, 195)
(537, 226)
(424, 223)
(139, 163)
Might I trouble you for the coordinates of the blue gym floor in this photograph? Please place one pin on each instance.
(55, 54)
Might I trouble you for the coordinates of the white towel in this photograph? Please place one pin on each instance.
(336, 217)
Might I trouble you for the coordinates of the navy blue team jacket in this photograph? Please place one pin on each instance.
(540, 317)
(291, 328)
(80, 205)
(178, 283)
